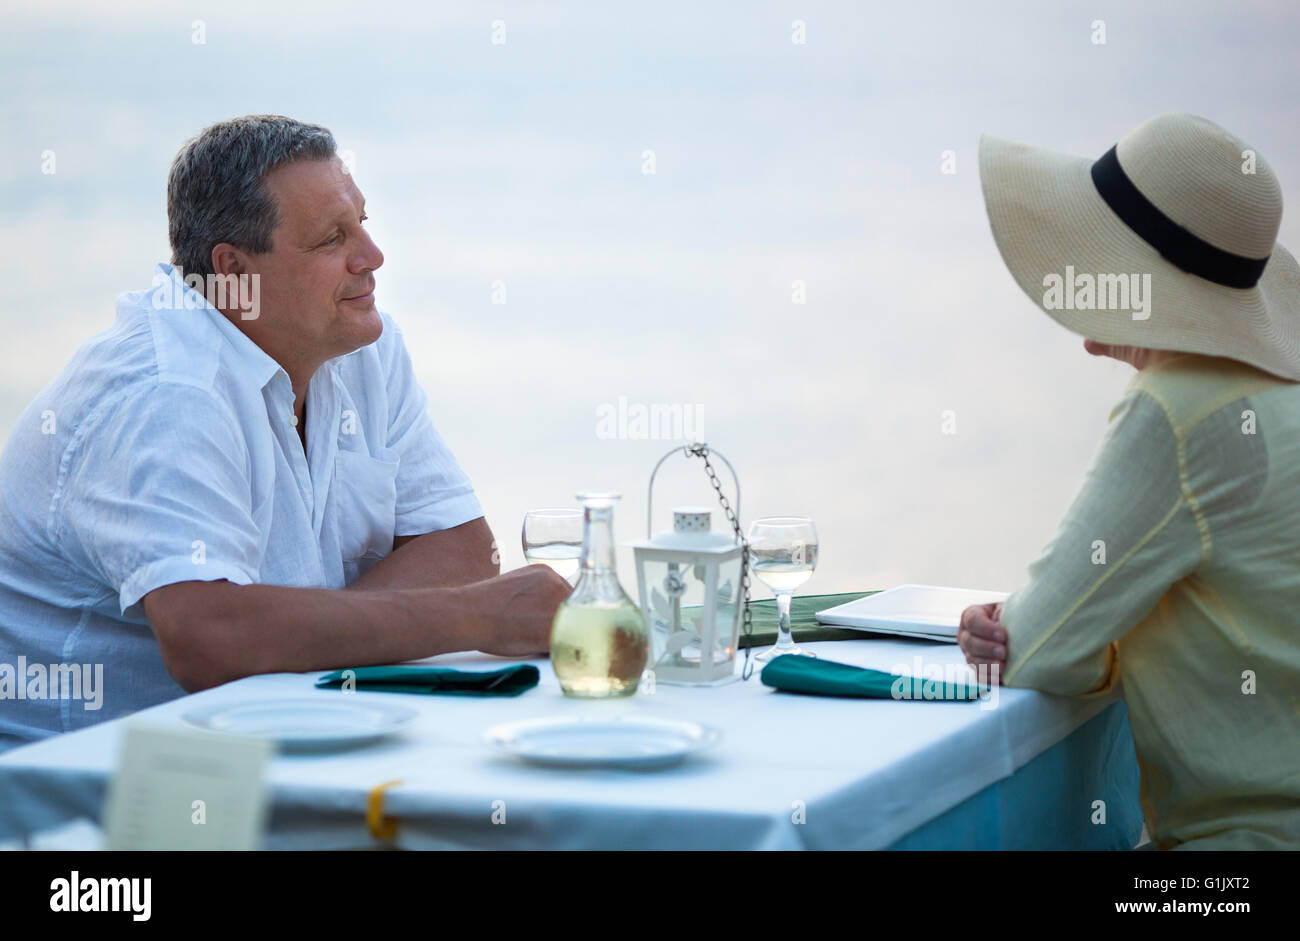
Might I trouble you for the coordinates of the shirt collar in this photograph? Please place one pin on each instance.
(171, 293)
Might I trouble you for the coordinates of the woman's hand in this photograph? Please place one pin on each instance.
(982, 637)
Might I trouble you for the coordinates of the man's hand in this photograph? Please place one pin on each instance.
(515, 610)
(982, 637)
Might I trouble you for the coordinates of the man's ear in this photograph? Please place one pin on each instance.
(227, 259)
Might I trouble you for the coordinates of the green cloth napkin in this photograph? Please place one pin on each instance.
(817, 677)
(803, 620)
(508, 681)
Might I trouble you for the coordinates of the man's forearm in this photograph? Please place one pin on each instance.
(251, 629)
(446, 558)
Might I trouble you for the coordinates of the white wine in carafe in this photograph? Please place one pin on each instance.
(599, 641)
(599, 650)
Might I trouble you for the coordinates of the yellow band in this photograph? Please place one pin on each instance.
(381, 829)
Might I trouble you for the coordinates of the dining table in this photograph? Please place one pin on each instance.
(1013, 769)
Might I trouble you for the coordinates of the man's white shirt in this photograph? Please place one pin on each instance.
(166, 451)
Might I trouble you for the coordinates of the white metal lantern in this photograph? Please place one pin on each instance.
(691, 586)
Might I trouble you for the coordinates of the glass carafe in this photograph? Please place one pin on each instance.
(599, 642)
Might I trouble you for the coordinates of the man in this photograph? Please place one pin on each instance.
(1174, 575)
(245, 479)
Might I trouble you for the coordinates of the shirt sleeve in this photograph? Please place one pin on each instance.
(158, 492)
(433, 492)
(1133, 530)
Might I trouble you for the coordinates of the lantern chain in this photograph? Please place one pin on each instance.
(702, 451)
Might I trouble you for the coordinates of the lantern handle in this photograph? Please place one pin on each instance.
(694, 449)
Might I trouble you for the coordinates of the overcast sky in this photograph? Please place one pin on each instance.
(775, 161)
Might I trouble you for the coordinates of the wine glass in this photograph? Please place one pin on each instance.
(783, 554)
(553, 536)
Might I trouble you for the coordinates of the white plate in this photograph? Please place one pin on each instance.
(930, 611)
(618, 742)
(298, 724)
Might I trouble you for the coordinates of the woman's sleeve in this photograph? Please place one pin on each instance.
(1133, 530)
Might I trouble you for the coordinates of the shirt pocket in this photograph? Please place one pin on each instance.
(365, 507)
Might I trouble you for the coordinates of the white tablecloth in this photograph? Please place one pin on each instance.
(865, 772)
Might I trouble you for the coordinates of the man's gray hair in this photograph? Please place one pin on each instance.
(216, 190)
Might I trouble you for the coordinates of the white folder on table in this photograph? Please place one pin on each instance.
(928, 611)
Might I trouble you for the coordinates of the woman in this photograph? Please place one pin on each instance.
(1175, 575)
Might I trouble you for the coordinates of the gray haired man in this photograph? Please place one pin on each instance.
(240, 475)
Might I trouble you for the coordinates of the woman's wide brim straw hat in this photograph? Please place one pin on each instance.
(1179, 199)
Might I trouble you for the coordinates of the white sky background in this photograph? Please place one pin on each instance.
(522, 162)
